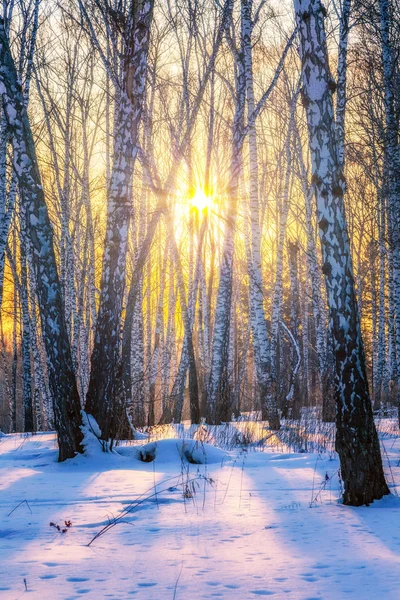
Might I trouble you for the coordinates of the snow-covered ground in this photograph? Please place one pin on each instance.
(268, 524)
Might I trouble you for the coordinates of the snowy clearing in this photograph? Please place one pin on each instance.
(267, 524)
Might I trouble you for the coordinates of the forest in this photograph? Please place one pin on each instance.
(200, 269)
(200, 220)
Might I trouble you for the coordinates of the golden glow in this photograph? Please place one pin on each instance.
(201, 201)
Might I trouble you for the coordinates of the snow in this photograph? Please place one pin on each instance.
(242, 525)
(187, 450)
(92, 445)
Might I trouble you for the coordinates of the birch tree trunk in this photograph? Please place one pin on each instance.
(26, 346)
(318, 304)
(106, 352)
(40, 231)
(381, 369)
(219, 408)
(341, 97)
(295, 320)
(281, 225)
(218, 397)
(259, 325)
(7, 199)
(41, 389)
(187, 310)
(392, 155)
(356, 439)
(20, 285)
(391, 310)
(14, 343)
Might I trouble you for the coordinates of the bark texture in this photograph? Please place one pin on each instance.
(105, 362)
(356, 440)
(392, 156)
(39, 229)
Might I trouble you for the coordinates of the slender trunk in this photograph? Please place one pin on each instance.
(283, 217)
(26, 346)
(259, 326)
(218, 398)
(42, 393)
(14, 367)
(187, 310)
(295, 321)
(392, 155)
(319, 313)
(137, 407)
(341, 84)
(375, 385)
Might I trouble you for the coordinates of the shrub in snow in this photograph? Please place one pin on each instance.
(173, 450)
(148, 452)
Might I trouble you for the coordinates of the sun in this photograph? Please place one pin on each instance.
(201, 201)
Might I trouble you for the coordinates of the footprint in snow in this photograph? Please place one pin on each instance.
(231, 586)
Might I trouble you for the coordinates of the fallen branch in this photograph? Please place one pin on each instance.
(18, 505)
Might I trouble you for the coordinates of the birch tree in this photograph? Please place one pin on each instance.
(260, 333)
(356, 437)
(130, 89)
(392, 153)
(40, 231)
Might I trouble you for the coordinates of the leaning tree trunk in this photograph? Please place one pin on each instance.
(356, 438)
(40, 231)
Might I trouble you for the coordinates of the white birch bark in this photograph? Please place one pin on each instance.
(105, 359)
(260, 334)
(392, 152)
(356, 439)
(39, 229)
(341, 84)
(283, 217)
